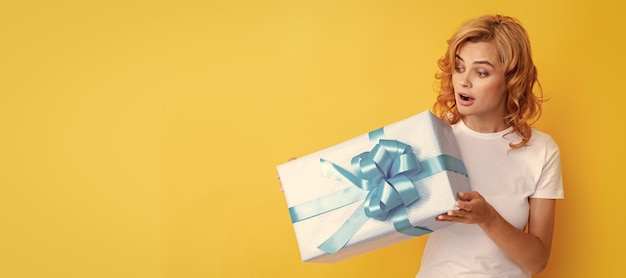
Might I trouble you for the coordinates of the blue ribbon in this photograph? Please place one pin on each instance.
(383, 178)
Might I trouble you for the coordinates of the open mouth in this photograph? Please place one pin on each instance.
(464, 97)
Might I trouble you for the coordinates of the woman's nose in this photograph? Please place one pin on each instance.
(465, 83)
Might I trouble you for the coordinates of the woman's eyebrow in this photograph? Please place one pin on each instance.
(480, 62)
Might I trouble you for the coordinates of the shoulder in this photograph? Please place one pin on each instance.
(544, 140)
(543, 146)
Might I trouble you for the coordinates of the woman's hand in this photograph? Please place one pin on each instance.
(278, 177)
(530, 249)
(473, 209)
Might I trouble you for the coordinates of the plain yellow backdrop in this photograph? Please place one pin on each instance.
(140, 138)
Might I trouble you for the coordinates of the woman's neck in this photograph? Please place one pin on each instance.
(484, 125)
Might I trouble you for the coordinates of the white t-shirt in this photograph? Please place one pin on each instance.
(506, 178)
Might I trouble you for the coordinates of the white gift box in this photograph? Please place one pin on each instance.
(306, 183)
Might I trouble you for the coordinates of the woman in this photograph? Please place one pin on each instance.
(506, 223)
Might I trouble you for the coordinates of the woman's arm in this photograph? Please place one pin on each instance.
(530, 250)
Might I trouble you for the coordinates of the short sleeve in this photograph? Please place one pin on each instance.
(550, 183)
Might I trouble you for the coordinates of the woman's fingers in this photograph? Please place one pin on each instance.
(278, 176)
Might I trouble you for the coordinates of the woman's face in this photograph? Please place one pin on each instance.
(479, 83)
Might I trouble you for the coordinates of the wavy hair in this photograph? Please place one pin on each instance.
(523, 107)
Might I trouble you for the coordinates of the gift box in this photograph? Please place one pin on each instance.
(373, 190)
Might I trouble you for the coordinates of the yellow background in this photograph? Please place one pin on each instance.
(140, 138)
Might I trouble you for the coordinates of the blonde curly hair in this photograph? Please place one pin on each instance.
(523, 107)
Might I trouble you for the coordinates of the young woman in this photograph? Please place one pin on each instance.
(486, 93)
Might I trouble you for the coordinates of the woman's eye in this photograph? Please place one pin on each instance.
(481, 74)
(459, 69)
